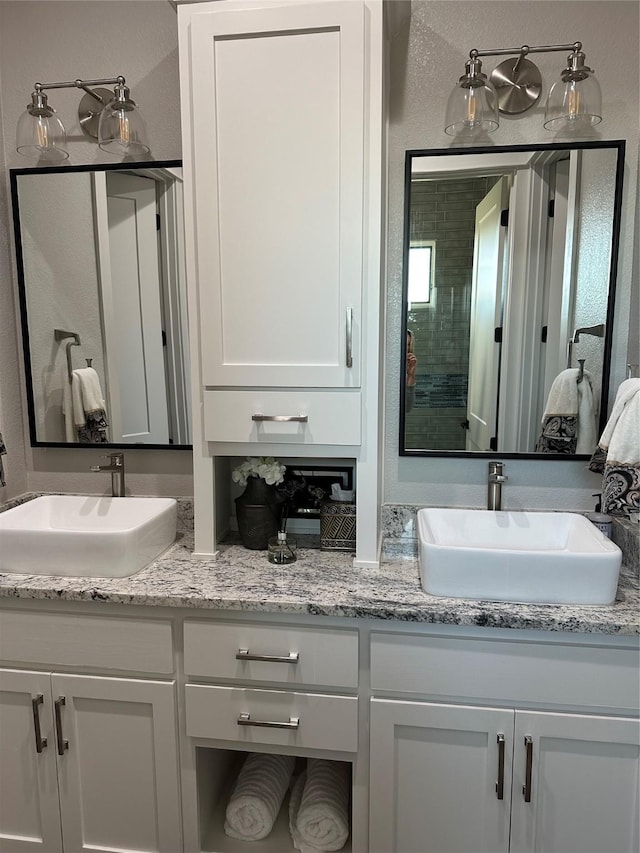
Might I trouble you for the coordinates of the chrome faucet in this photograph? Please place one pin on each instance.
(116, 468)
(494, 485)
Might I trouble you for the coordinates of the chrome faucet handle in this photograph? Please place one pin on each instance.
(495, 472)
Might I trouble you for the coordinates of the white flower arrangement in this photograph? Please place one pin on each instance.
(271, 471)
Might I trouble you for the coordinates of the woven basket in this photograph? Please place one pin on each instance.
(338, 526)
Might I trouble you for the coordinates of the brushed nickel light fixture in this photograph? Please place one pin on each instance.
(111, 117)
(574, 102)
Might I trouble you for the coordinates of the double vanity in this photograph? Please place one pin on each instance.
(480, 725)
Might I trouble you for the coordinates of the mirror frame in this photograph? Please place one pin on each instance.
(14, 174)
(617, 145)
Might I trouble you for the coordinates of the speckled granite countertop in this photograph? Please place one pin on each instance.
(323, 584)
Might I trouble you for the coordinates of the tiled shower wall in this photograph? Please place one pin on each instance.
(443, 211)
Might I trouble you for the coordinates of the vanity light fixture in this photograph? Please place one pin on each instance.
(574, 102)
(111, 117)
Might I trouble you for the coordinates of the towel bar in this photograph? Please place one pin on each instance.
(60, 335)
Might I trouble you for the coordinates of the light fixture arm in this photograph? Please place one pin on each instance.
(81, 84)
(510, 51)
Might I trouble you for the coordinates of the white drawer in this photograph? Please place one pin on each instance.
(325, 656)
(104, 642)
(331, 417)
(323, 722)
(512, 672)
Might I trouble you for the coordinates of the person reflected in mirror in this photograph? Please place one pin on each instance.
(410, 381)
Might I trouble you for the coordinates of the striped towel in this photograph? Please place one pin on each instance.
(319, 806)
(257, 796)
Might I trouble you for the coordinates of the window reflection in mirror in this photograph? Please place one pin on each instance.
(517, 288)
(100, 253)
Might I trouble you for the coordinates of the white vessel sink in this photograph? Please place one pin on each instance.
(541, 557)
(85, 536)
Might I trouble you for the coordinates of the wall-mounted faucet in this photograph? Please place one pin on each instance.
(494, 485)
(116, 468)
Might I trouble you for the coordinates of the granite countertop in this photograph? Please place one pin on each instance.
(322, 584)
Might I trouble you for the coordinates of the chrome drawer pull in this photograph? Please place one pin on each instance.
(245, 654)
(526, 788)
(281, 419)
(500, 782)
(63, 743)
(245, 720)
(349, 349)
(41, 742)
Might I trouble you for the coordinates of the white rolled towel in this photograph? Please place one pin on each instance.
(257, 796)
(319, 807)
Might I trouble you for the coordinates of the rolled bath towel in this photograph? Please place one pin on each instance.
(257, 796)
(319, 807)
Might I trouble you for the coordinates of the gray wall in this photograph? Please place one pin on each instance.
(48, 41)
(426, 61)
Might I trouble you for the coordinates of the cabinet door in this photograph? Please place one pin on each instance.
(440, 778)
(118, 775)
(29, 811)
(582, 784)
(277, 104)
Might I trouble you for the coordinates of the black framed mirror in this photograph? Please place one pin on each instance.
(509, 268)
(102, 289)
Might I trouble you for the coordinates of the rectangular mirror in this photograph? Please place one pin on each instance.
(510, 257)
(101, 276)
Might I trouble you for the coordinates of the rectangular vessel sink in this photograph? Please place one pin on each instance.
(537, 557)
(85, 536)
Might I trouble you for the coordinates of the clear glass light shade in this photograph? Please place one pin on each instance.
(41, 135)
(472, 109)
(574, 105)
(121, 130)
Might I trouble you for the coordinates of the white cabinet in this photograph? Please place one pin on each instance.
(29, 810)
(473, 760)
(283, 129)
(442, 780)
(435, 774)
(278, 151)
(105, 748)
(581, 792)
(281, 689)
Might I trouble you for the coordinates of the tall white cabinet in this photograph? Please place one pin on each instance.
(283, 150)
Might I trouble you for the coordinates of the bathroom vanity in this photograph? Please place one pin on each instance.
(480, 726)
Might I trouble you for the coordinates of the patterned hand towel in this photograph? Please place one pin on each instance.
(319, 807)
(568, 422)
(257, 796)
(617, 456)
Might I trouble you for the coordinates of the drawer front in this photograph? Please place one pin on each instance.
(323, 657)
(104, 642)
(322, 417)
(313, 721)
(540, 673)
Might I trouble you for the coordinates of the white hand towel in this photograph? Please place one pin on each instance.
(621, 437)
(563, 394)
(86, 390)
(319, 807)
(257, 796)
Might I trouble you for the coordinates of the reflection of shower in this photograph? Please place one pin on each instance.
(595, 331)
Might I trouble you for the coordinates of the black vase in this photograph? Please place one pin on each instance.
(257, 511)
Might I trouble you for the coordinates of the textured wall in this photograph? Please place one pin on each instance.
(51, 40)
(426, 61)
